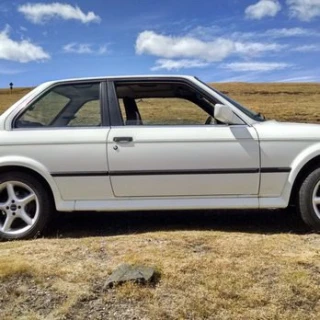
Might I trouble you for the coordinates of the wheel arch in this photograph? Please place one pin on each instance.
(31, 166)
(301, 166)
(308, 167)
(37, 175)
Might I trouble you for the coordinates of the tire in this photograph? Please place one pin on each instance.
(25, 206)
(309, 200)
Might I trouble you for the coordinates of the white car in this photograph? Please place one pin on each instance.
(144, 143)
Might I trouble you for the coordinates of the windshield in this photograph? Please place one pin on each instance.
(252, 114)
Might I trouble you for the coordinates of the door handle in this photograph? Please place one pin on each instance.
(122, 139)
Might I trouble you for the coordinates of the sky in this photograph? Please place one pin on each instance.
(217, 41)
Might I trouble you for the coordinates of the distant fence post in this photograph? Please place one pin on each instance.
(11, 87)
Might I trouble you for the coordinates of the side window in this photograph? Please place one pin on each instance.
(87, 115)
(122, 110)
(69, 105)
(43, 111)
(162, 104)
(170, 111)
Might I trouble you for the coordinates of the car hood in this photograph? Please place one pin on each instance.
(274, 130)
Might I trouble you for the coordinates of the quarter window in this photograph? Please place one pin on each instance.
(88, 114)
(70, 105)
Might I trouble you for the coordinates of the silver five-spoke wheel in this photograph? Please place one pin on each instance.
(19, 207)
(25, 205)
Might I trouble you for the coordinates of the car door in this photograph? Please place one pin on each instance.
(163, 148)
(65, 131)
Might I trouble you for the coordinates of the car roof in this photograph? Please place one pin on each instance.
(123, 77)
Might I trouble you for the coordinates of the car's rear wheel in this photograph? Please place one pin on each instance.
(25, 206)
(309, 200)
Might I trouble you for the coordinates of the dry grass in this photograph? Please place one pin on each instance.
(297, 102)
(7, 98)
(205, 275)
(213, 266)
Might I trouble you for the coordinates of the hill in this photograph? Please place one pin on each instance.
(281, 101)
(213, 264)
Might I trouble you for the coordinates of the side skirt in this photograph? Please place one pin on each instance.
(134, 204)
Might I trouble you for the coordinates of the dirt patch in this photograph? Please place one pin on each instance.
(22, 296)
(104, 306)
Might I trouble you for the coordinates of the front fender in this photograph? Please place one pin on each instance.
(297, 165)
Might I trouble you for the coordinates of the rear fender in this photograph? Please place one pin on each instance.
(31, 164)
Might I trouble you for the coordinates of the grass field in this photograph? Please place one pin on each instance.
(213, 264)
(281, 101)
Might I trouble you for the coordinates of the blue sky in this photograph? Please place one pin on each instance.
(230, 40)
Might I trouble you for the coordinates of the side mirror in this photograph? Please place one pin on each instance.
(225, 114)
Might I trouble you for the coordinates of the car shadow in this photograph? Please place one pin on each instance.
(92, 224)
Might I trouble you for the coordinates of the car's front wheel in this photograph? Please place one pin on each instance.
(309, 200)
(25, 206)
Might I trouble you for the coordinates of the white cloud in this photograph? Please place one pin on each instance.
(255, 66)
(304, 10)
(262, 9)
(255, 48)
(149, 42)
(84, 48)
(245, 77)
(23, 51)
(155, 44)
(288, 32)
(42, 12)
(207, 33)
(10, 71)
(79, 48)
(102, 50)
(274, 34)
(307, 48)
(298, 79)
(169, 64)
